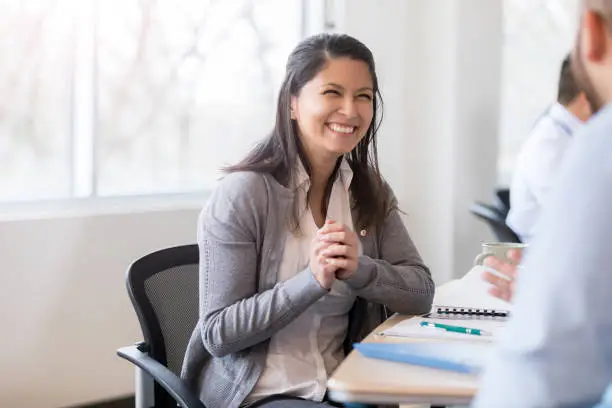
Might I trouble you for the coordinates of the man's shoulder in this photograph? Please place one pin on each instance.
(591, 150)
(600, 124)
(547, 130)
(545, 144)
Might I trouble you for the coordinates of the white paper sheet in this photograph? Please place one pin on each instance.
(412, 328)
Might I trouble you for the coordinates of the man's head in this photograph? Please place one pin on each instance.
(592, 55)
(570, 95)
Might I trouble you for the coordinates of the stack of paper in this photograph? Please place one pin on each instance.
(469, 291)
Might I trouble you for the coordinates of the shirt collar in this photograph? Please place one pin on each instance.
(302, 180)
(561, 115)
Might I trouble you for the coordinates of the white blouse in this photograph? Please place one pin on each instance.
(302, 355)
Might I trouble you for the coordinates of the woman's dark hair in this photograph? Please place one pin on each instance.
(278, 153)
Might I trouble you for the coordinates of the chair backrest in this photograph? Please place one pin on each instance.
(496, 221)
(163, 287)
(502, 200)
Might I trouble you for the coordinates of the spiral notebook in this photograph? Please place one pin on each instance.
(464, 302)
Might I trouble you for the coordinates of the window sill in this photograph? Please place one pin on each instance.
(96, 206)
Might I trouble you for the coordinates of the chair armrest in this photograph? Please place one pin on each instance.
(164, 377)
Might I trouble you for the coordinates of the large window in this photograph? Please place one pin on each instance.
(537, 36)
(109, 97)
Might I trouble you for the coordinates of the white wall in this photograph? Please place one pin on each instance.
(64, 309)
(63, 286)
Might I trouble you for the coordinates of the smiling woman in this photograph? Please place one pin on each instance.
(333, 112)
(287, 284)
(334, 117)
(330, 88)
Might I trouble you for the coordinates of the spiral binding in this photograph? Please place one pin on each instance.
(468, 312)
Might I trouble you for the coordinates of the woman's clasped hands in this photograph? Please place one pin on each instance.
(334, 253)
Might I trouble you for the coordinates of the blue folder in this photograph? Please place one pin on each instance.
(463, 358)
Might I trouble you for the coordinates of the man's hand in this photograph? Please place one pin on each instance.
(503, 286)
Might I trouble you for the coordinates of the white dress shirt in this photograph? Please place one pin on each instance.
(537, 166)
(303, 354)
(557, 348)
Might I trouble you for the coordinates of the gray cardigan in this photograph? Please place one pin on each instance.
(241, 234)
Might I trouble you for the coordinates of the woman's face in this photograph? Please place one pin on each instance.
(334, 109)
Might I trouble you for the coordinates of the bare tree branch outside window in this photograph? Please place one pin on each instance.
(172, 91)
(189, 88)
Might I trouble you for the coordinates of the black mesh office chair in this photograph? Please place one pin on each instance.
(163, 287)
(496, 221)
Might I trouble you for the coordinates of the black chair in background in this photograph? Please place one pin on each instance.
(502, 200)
(163, 288)
(496, 220)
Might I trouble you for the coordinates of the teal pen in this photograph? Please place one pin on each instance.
(456, 329)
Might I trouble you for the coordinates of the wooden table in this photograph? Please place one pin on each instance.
(364, 380)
